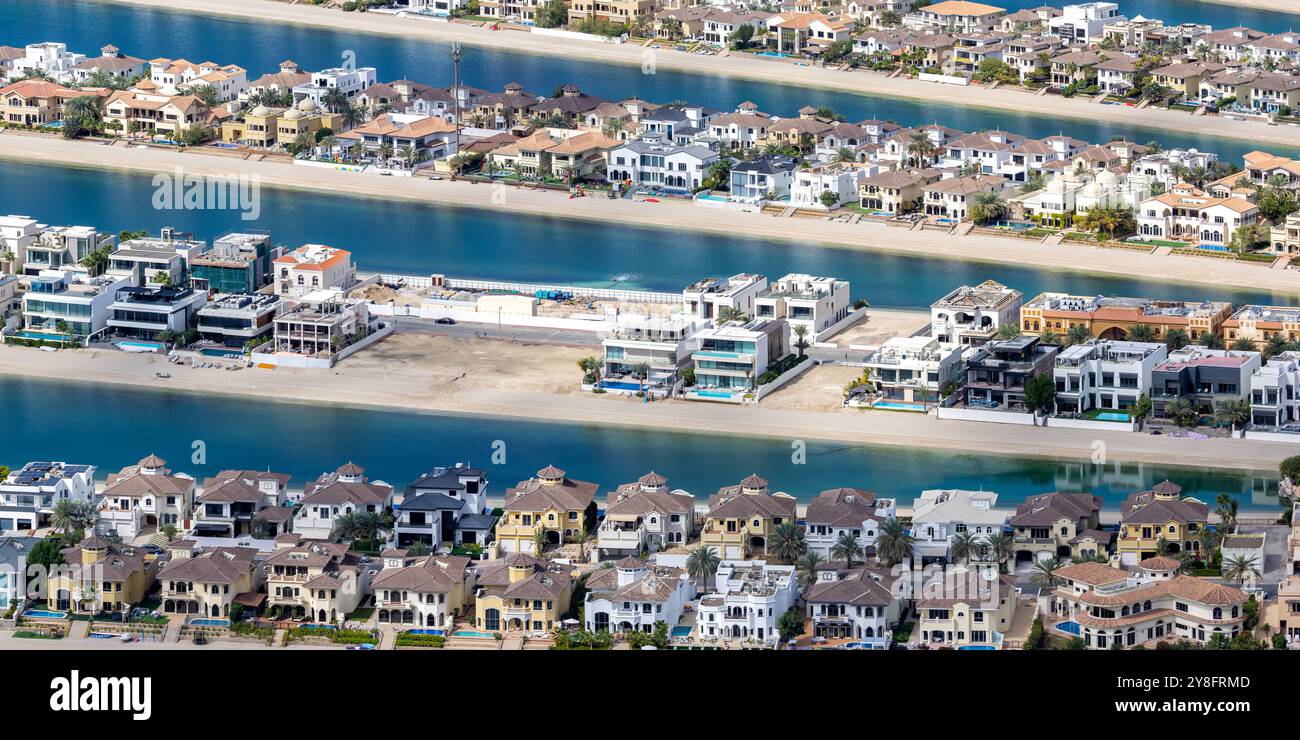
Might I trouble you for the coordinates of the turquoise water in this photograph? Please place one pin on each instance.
(977, 647)
(209, 622)
(898, 405)
(44, 614)
(425, 632)
(396, 446)
(226, 353)
(682, 631)
(1069, 627)
(259, 47)
(151, 346)
(416, 239)
(49, 337)
(472, 633)
(1112, 416)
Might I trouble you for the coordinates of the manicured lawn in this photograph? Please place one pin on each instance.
(361, 614)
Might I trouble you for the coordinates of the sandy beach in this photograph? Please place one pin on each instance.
(380, 378)
(676, 215)
(741, 66)
(1281, 6)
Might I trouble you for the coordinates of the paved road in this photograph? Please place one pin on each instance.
(530, 335)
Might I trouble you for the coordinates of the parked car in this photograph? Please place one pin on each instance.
(445, 320)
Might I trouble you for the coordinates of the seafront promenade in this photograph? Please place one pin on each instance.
(766, 69)
(666, 214)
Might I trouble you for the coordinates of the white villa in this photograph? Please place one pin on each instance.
(645, 516)
(1104, 374)
(940, 515)
(818, 304)
(747, 602)
(426, 592)
(345, 491)
(635, 595)
(28, 495)
(973, 314)
(911, 370)
(143, 497)
(839, 510)
(857, 603)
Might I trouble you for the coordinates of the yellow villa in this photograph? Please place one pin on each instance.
(522, 593)
(207, 583)
(741, 518)
(546, 510)
(1160, 514)
(99, 575)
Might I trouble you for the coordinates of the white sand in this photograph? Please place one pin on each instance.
(742, 66)
(676, 215)
(357, 382)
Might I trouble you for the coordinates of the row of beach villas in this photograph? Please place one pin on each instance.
(514, 569)
(880, 168)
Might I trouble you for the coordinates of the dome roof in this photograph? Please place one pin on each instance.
(307, 105)
(260, 110)
(293, 114)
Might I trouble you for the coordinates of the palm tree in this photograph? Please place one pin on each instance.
(986, 206)
(335, 100)
(1000, 548)
(1043, 573)
(1077, 334)
(1176, 339)
(418, 548)
(964, 545)
(1242, 344)
(642, 373)
(353, 115)
(385, 152)
(807, 567)
(702, 563)
(801, 339)
(1141, 333)
(920, 147)
(846, 548)
(1226, 507)
(894, 543)
(787, 542)
(1233, 412)
(63, 518)
(345, 527)
(1050, 337)
(1181, 411)
(1240, 568)
(1007, 331)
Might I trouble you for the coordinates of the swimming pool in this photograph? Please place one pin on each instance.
(45, 614)
(777, 54)
(977, 647)
(713, 394)
(1212, 248)
(206, 622)
(127, 346)
(215, 352)
(1069, 627)
(472, 633)
(898, 406)
(425, 632)
(44, 335)
(683, 631)
(320, 626)
(620, 385)
(1111, 416)
(711, 196)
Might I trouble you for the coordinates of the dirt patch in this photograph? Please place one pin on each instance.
(819, 389)
(881, 326)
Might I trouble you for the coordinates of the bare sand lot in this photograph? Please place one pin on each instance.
(880, 326)
(819, 389)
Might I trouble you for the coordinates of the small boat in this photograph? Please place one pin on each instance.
(163, 375)
(651, 200)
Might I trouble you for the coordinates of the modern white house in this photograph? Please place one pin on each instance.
(971, 315)
(1104, 374)
(645, 516)
(634, 596)
(148, 311)
(710, 298)
(747, 601)
(841, 179)
(28, 495)
(447, 505)
(910, 372)
(857, 603)
(50, 58)
(65, 301)
(816, 303)
(939, 515)
(845, 510)
(651, 160)
(235, 319)
(664, 344)
(1275, 391)
(16, 234)
(761, 180)
(1083, 23)
(351, 82)
(732, 357)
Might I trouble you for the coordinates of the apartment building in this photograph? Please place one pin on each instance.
(206, 582)
(520, 593)
(747, 601)
(645, 515)
(345, 491)
(1104, 374)
(971, 315)
(143, 497)
(1202, 376)
(635, 596)
(857, 603)
(938, 516)
(840, 511)
(1113, 318)
(29, 494)
(1160, 516)
(962, 607)
(1155, 605)
(908, 371)
(741, 518)
(997, 371)
(430, 591)
(1052, 524)
(546, 510)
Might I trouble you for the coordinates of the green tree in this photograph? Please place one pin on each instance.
(894, 542)
(806, 567)
(1077, 334)
(987, 206)
(1040, 394)
(1240, 568)
(963, 546)
(1176, 339)
(846, 548)
(82, 115)
(790, 625)
(1044, 572)
(1182, 412)
(1000, 547)
(787, 542)
(46, 553)
(1233, 412)
(701, 563)
(169, 531)
(801, 339)
(1141, 333)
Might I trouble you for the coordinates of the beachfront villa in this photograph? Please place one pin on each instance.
(997, 372)
(311, 268)
(645, 516)
(1104, 374)
(962, 607)
(819, 304)
(429, 591)
(971, 315)
(733, 356)
(1054, 525)
(857, 603)
(319, 581)
(1114, 318)
(520, 593)
(1160, 522)
(910, 372)
(954, 15)
(1105, 605)
(1203, 376)
(228, 503)
(1275, 392)
(940, 516)
(662, 344)
(29, 494)
(545, 511)
(447, 505)
(747, 601)
(345, 491)
(634, 596)
(237, 319)
(143, 497)
(741, 518)
(840, 511)
(1260, 324)
(67, 303)
(206, 582)
(99, 575)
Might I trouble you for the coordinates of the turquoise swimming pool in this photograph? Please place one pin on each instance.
(977, 647)
(471, 633)
(218, 352)
(682, 631)
(209, 622)
(45, 614)
(1069, 627)
(44, 335)
(1111, 416)
(131, 346)
(425, 632)
(898, 406)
